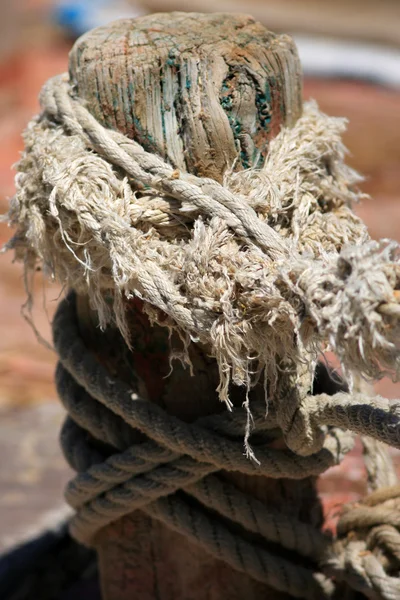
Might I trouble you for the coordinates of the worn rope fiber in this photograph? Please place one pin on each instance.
(266, 269)
(181, 461)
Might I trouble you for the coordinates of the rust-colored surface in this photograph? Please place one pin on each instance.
(33, 472)
(26, 367)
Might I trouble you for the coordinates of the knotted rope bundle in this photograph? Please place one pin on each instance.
(265, 269)
(179, 463)
(367, 550)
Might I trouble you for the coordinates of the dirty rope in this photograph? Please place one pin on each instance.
(266, 269)
(269, 266)
(180, 462)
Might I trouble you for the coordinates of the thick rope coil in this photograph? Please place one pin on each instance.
(266, 270)
(178, 460)
(270, 266)
(367, 552)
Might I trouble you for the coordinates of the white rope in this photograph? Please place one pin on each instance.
(266, 270)
(270, 266)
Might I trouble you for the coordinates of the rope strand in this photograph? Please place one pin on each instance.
(266, 270)
(179, 461)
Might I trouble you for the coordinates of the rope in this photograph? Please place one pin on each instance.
(368, 548)
(270, 264)
(151, 170)
(178, 461)
(265, 269)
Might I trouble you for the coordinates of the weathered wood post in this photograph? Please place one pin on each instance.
(204, 92)
(157, 186)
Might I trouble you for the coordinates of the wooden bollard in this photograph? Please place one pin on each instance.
(206, 92)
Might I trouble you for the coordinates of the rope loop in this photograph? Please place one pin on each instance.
(367, 551)
(266, 269)
(269, 266)
(177, 461)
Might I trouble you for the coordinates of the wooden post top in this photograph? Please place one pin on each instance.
(200, 90)
(205, 92)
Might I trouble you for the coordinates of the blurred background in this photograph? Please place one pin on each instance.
(350, 50)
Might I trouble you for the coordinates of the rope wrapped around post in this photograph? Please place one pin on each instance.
(349, 298)
(178, 457)
(261, 266)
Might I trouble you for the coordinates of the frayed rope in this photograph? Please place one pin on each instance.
(271, 266)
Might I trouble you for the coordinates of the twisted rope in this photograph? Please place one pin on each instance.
(270, 264)
(151, 170)
(264, 269)
(367, 552)
(179, 460)
(204, 449)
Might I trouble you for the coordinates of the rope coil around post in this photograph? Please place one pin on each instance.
(179, 461)
(265, 269)
(208, 255)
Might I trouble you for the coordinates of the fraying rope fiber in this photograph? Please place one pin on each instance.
(270, 266)
(181, 462)
(265, 270)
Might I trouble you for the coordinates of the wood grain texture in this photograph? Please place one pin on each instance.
(201, 91)
(196, 90)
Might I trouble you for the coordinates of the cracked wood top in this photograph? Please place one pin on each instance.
(200, 90)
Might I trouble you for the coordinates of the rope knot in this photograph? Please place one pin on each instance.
(367, 550)
(175, 461)
(240, 266)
